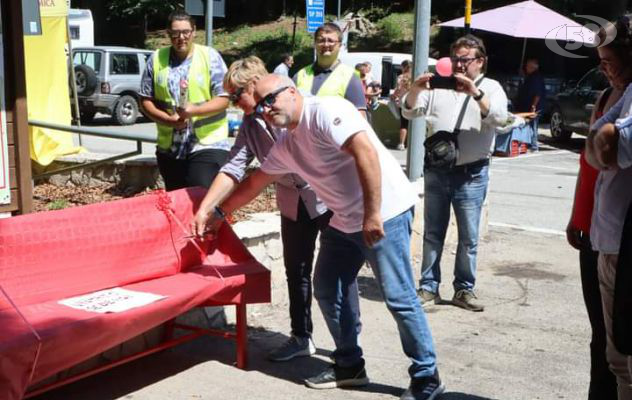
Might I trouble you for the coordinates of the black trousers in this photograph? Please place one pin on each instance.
(299, 242)
(197, 169)
(603, 384)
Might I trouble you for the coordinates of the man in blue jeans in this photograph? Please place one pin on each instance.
(330, 145)
(475, 107)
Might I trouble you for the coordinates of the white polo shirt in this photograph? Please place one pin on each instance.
(313, 151)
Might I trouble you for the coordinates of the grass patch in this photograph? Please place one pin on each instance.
(58, 204)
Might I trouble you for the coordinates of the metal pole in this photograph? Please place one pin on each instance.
(417, 126)
(339, 9)
(208, 23)
(524, 51)
(468, 16)
(73, 83)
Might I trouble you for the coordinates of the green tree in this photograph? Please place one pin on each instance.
(146, 8)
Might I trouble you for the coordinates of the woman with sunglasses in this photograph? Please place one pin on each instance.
(609, 150)
(303, 215)
(614, 57)
(182, 92)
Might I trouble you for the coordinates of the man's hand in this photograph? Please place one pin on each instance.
(175, 121)
(420, 84)
(205, 222)
(372, 229)
(465, 85)
(187, 111)
(573, 236)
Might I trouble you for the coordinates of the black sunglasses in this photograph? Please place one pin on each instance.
(234, 97)
(269, 100)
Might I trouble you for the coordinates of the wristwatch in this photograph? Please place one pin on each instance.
(480, 96)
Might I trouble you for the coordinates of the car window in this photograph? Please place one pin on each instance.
(90, 58)
(593, 80)
(124, 64)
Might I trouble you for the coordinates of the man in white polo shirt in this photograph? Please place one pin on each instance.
(337, 152)
(477, 105)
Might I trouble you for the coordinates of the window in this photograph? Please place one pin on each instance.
(90, 58)
(593, 80)
(75, 32)
(124, 64)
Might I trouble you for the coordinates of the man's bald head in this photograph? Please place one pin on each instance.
(278, 100)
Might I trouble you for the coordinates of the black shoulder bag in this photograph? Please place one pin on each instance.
(442, 148)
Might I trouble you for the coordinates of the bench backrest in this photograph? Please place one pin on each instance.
(57, 254)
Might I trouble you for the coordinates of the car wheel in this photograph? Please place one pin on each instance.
(558, 132)
(85, 79)
(126, 110)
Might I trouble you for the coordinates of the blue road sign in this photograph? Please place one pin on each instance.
(315, 14)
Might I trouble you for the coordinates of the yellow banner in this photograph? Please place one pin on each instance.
(53, 8)
(47, 93)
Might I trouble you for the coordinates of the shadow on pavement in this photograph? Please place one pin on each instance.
(119, 382)
(461, 396)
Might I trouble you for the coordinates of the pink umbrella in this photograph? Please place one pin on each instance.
(528, 20)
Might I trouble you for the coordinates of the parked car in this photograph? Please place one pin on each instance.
(108, 81)
(571, 109)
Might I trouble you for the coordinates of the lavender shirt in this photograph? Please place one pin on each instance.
(613, 191)
(255, 139)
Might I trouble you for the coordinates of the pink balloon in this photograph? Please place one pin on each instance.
(444, 66)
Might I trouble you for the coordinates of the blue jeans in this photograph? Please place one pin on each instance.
(465, 190)
(341, 257)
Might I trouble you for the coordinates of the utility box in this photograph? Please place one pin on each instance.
(81, 27)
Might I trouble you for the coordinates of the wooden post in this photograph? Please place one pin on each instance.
(15, 103)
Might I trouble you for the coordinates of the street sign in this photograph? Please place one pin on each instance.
(31, 19)
(198, 7)
(315, 14)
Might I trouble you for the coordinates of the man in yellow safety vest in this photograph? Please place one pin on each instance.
(328, 76)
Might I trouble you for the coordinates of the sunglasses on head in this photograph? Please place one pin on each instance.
(234, 97)
(269, 100)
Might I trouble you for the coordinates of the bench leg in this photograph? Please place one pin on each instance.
(242, 336)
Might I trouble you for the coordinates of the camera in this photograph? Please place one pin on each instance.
(442, 82)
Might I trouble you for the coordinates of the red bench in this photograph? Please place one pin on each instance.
(138, 244)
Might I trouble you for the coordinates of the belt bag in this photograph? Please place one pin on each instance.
(442, 148)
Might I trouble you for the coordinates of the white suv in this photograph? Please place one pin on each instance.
(108, 81)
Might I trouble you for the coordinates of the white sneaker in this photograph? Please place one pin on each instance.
(401, 146)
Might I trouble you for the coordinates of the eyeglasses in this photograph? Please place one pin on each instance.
(175, 34)
(269, 100)
(234, 97)
(326, 41)
(463, 60)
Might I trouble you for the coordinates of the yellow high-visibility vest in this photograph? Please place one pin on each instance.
(207, 128)
(335, 84)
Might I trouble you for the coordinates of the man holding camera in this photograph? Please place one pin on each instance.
(462, 113)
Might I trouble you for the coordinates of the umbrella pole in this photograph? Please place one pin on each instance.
(524, 50)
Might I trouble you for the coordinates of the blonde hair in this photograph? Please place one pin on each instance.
(243, 71)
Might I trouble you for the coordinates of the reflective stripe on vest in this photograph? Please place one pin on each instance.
(335, 84)
(208, 128)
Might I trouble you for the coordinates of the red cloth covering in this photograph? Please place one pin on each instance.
(585, 195)
(135, 244)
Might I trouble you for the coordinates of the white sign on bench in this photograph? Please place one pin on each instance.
(111, 300)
